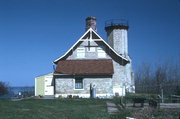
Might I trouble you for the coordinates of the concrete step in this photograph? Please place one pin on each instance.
(48, 97)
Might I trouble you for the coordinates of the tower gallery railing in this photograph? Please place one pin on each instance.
(115, 22)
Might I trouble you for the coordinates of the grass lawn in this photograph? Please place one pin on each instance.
(53, 109)
(75, 109)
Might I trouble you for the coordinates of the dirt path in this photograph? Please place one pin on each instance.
(170, 105)
(112, 108)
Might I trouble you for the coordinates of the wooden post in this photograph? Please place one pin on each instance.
(162, 96)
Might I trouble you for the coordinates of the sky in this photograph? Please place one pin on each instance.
(33, 33)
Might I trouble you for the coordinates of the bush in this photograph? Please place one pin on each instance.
(3, 88)
(130, 96)
(116, 100)
(177, 90)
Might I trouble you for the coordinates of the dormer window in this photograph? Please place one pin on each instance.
(80, 52)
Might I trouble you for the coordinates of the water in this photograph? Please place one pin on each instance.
(14, 91)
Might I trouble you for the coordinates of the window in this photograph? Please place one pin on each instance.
(80, 52)
(91, 49)
(101, 52)
(78, 83)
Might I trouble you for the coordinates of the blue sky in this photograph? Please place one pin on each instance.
(33, 33)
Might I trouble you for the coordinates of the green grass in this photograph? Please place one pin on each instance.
(53, 109)
(75, 109)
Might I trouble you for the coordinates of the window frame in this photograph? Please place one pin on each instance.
(78, 78)
(81, 51)
(89, 49)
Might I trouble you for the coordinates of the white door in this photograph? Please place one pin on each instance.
(49, 88)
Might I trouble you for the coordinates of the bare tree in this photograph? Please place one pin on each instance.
(143, 79)
(155, 78)
(160, 77)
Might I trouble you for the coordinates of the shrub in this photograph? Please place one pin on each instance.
(3, 88)
(69, 96)
(177, 90)
(130, 96)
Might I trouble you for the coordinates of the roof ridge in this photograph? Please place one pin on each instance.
(85, 59)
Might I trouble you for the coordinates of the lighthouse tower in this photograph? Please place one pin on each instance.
(117, 34)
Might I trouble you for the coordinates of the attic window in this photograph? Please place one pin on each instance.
(80, 52)
(91, 49)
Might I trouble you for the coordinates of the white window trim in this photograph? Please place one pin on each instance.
(83, 51)
(102, 51)
(91, 50)
(75, 84)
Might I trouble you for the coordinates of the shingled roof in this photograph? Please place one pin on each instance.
(84, 67)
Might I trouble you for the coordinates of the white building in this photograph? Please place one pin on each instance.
(91, 61)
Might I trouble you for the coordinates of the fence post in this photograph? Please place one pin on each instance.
(162, 96)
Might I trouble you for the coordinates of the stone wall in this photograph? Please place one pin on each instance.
(66, 86)
(117, 39)
(119, 74)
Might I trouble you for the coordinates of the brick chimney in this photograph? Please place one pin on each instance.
(91, 23)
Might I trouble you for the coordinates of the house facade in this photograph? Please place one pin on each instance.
(94, 63)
